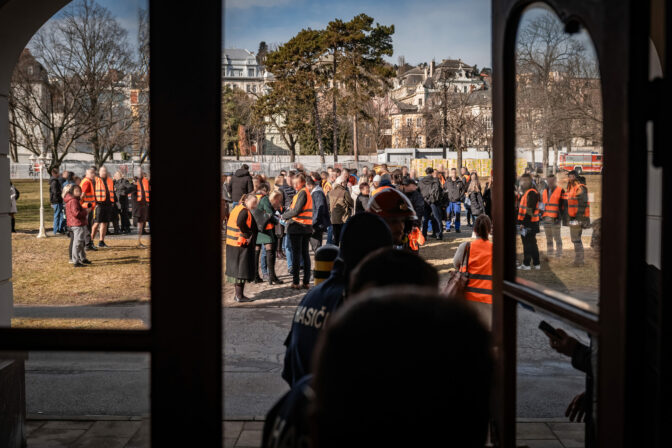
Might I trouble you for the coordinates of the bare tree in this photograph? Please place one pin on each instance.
(46, 113)
(558, 95)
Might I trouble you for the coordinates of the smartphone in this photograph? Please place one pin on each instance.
(549, 330)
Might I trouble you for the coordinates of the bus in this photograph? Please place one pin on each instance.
(581, 162)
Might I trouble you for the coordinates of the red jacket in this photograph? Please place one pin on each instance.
(75, 214)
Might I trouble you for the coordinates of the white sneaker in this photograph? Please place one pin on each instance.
(537, 267)
(522, 267)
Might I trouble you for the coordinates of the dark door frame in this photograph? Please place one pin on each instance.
(619, 29)
(185, 339)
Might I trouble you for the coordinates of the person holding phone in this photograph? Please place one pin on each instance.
(581, 407)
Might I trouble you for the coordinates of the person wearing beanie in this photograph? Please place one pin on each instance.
(362, 234)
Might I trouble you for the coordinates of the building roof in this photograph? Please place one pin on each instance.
(237, 53)
(480, 98)
(454, 64)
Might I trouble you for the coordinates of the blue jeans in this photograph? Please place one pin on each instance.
(288, 252)
(264, 267)
(330, 235)
(433, 214)
(58, 217)
(456, 208)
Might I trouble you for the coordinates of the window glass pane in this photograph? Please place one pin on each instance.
(80, 171)
(81, 398)
(551, 381)
(558, 159)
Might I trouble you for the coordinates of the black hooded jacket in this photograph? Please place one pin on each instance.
(241, 183)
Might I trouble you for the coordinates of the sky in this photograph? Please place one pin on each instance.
(424, 29)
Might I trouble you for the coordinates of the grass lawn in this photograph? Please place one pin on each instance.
(43, 276)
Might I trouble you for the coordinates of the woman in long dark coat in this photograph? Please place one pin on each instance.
(241, 234)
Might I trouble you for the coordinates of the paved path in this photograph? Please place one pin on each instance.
(134, 433)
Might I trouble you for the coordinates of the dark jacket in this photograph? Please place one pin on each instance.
(241, 183)
(361, 203)
(418, 202)
(293, 226)
(455, 189)
(477, 204)
(487, 200)
(430, 189)
(55, 190)
(312, 314)
(122, 188)
(74, 213)
(321, 218)
(287, 194)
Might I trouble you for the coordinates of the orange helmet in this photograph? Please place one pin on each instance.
(391, 203)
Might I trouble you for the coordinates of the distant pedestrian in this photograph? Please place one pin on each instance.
(554, 208)
(528, 223)
(56, 200)
(362, 198)
(13, 196)
(241, 183)
(475, 197)
(430, 188)
(103, 213)
(241, 233)
(141, 210)
(321, 219)
(299, 219)
(122, 188)
(341, 206)
(454, 188)
(76, 217)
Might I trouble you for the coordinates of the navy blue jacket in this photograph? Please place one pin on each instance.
(287, 423)
(310, 317)
(321, 218)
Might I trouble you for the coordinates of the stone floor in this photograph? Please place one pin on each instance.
(133, 432)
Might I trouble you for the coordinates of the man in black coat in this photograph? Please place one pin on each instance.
(241, 183)
(55, 190)
(430, 188)
(455, 188)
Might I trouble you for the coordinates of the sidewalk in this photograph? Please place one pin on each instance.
(133, 432)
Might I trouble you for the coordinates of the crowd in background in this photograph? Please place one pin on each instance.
(85, 207)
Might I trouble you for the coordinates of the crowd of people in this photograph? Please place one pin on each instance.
(85, 207)
(293, 216)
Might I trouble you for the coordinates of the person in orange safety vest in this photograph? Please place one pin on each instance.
(241, 233)
(553, 209)
(474, 259)
(578, 210)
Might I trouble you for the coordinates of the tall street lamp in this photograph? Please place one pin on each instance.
(41, 160)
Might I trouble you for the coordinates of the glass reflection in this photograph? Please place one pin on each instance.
(559, 159)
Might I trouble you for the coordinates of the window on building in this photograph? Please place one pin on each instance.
(250, 72)
(418, 140)
(254, 89)
(465, 89)
(248, 89)
(419, 122)
(409, 122)
(396, 123)
(419, 101)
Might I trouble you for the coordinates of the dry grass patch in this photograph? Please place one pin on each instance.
(79, 324)
(43, 276)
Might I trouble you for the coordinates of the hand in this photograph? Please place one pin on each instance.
(576, 411)
(565, 345)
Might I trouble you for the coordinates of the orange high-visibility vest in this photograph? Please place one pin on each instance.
(234, 236)
(88, 197)
(415, 239)
(573, 202)
(143, 189)
(442, 179)
(269, 224)
(523, 208)
(479, 272)
(552, 204)
(305, 217)
(100, 192)
(384, 187)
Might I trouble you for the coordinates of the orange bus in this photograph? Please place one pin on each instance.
(581, 162)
